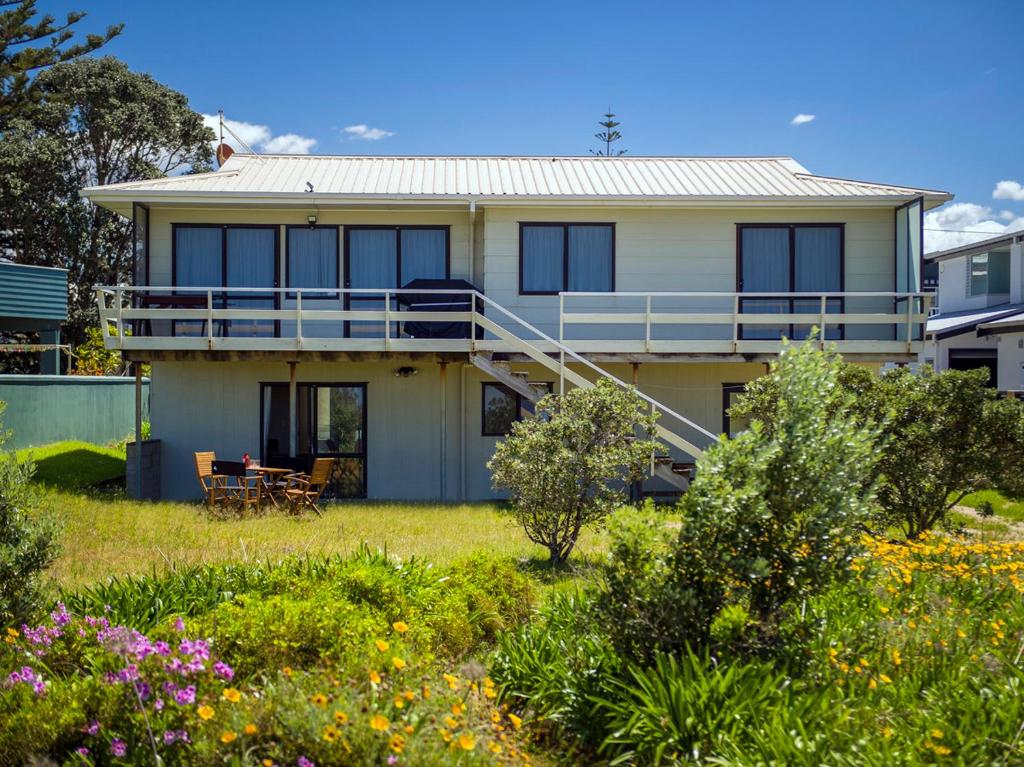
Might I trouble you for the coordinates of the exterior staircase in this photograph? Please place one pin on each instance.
(676, 473)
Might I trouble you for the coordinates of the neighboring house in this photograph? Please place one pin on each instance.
(980, 317)
(279, 300)
(34, 300)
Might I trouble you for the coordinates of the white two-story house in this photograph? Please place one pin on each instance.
(979, 320)
(400, 313)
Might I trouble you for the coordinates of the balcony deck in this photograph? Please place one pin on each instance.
(162, 322)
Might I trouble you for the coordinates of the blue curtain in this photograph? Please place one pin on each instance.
(543, 250)
(251, 258)
(765, 259)
(423, 254)
(313, 258)
(372, 255)
(590, 258)
(197, 257)
(817, 260)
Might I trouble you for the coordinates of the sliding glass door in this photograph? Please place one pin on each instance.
(789, 258)
(330, 422)
(389, 257)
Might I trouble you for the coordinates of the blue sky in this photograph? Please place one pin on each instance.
(917, 93)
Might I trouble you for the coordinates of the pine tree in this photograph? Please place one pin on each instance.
(19, 60)
(608, 136)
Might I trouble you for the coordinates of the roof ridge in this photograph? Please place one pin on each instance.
(593, 158)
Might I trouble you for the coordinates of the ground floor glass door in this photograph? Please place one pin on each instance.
(330, 422)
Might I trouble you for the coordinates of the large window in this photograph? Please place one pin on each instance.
(312, 258)
(330, 421)
(390, 257)
(789, 258)
(566, 257)
(228, 256)
(502, 407)
(989, 273)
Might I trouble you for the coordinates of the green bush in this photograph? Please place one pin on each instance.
(772, 518)
(28, 540)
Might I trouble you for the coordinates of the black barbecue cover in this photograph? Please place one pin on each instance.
(437, 302)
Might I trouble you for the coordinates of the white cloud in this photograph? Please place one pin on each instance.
(1008, 190)
(963, 223)
(260, 137)
(801, 118)
(366, 133)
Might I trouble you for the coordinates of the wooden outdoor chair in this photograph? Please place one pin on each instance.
(247, 490)
(215, 486)
(305, 489)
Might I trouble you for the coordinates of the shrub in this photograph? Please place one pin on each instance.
(28, 540)
(771, 518)
(569, 467)
(947, 435)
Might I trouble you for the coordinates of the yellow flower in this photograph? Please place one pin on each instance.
(937, 734)
(457, 709)
(887, 732)
(331, 733)
(231, 694)
(466, 741)
(445, 735)
(228, 737)
(885, 679)
(409, 729)
(379, 723)
(205, 712)
(287, 671)
(451, 721)
(382, 645)
(319, 700)
(896, 658)
(250, 729)
(494, 748)
(268, 763)
(374, 677)
(516, 721)
(872, 684)
(409, 695)
(453, 681)
(341, 717)
(942, 750)
(398, 663)
(399, 703)
(400, 627)
(397, 743)
(426, 692)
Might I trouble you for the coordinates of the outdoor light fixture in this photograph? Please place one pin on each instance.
(311, 218)
(406, 372)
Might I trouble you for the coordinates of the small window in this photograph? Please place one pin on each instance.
(989, 273)
(730, 395)
(571, 257)
(502, 407)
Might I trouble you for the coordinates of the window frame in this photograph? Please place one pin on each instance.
(729, 389)
(988, 274)
(287, 258)
(222, 296)
(519, 404)
(792, 227)
(565, 226)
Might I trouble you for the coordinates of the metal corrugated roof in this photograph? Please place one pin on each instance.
(513, 177)
(955, 323)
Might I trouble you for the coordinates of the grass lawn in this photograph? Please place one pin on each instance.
(75, 464)
(1008, 508)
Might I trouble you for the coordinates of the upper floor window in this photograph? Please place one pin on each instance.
(988, 273)
(789, 258)
(311, 257)
(566, 257)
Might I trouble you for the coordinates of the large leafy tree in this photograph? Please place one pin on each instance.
(29, 45)
(96, 122)
(946, 435)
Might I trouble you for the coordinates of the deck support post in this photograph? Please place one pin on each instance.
(463, 493)
(293, 400)
(443, 366)
(138, 429)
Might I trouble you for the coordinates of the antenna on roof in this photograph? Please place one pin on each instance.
(224, 151)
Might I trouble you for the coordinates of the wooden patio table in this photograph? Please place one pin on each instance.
(270, 476)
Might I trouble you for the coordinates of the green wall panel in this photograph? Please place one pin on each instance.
(44, 409)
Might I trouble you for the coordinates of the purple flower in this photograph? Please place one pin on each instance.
(223, 670)
(162, 648)
(186, 696)
(392, 759)
(179, 624)
(93, 728)
(169, 737)
(83, 751)
(158, 704)
(304, 762)
(60, 615)
(183, 736)
(118, 747)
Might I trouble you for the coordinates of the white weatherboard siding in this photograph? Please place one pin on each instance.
(681, 250)
(954, 288)
(216, 406)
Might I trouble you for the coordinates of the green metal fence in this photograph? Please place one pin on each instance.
(44, 409)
